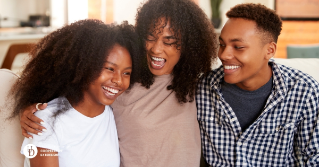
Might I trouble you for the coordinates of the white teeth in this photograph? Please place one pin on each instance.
(157, 65)
(157, 59)
(227, 67)
(110, 91)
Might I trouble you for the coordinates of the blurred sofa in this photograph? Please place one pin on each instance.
(10, 131)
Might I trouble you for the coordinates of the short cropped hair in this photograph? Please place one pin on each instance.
(268, 22)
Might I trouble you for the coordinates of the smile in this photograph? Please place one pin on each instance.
(158, 62)
(228, 67)
(110, 91)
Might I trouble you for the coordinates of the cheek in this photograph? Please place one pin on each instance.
(175, 55)
(126, 82)
(177, 59)
(104, 77)
(220, 51)
(147, 46)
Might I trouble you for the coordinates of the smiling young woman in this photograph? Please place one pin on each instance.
(79, 70)
(156, 120)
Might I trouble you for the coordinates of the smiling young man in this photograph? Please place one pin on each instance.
(252, 111)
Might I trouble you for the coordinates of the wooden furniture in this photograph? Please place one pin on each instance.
(297, 33)
(12, 52)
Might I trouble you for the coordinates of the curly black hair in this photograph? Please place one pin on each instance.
(195, 38)
(66, 61)
(266, 19)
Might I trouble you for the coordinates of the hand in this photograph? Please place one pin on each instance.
(30, 123)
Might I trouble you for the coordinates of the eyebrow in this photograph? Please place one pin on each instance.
(170, 37)
(166, 37)
(117, 65)
(233, 40)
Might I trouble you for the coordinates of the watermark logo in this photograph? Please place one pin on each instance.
(30, 151)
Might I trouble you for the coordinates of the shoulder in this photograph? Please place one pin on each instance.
(53, 107)
(214, 76)
(109, 111)
(293, 76)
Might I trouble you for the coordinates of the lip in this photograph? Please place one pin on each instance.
(111, 95)
(155, 66)
(230, 71)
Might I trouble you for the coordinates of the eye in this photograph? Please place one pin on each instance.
(150, 38)
(222, 45)
(170, 43)
(127, 73)
(109, 69)
(238, 47)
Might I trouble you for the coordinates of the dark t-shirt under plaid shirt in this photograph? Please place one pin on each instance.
(285, 134)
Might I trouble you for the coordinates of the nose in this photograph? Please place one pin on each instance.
(225, 53)
(156, 47)
(117, 78)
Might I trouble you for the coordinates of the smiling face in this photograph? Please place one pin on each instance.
(162, 54)
(244, 55)
(114, 78)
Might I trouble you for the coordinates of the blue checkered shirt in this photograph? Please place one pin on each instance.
(285, 134)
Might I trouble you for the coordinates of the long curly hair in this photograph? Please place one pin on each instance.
(266, 19)
(65, 62)
(195, 34)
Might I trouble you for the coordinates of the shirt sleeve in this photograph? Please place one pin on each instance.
(308, 132)
(48, 139)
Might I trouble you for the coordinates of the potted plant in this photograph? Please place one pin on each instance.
(215, 4)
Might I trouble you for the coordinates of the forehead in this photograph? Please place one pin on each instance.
(238, 28)
(161, 25)
(118, 53)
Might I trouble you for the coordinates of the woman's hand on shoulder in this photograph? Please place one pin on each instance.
(31, 123)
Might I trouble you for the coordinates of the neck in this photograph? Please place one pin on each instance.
(88, 107)
(258, 80)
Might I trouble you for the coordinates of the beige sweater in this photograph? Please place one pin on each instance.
(154, 130)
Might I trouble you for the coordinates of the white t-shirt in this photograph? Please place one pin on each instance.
(80, 141)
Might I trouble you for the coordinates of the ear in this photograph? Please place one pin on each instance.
(270, 50)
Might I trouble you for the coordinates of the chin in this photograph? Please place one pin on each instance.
(230, 80)
(156, 72)
(108, 102)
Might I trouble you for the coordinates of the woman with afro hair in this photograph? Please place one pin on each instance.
(157, 119)
(79, 70)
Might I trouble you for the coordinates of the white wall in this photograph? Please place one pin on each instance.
(59, 16)
(126, 10)
(77, 10)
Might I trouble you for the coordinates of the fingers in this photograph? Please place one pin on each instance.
(43, 106)
(28, 127)
(25, 134)
(28, 114)
(35, 119)
(30, 123)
